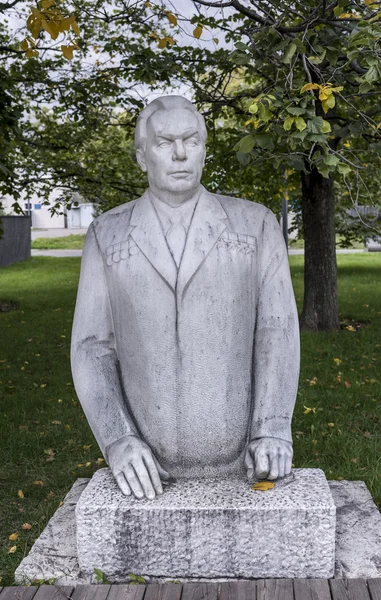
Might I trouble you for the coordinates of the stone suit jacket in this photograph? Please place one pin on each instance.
(197, 361)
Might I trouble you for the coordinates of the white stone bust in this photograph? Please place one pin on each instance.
(185, 346)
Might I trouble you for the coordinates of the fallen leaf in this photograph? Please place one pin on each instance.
(312, 381)
(56, 422)
(23, 427)
(13, 537)
(39, 482)
(350, 328)
(87, 446)
(88, 464)
(49, 451)
(347, 384)
(331, 424)
(26, 526)
(12, 550)
(337, 361)
(354, 460)
(20, 494)
(367, 434)
(309, 410)
(99, 461)
(263, 486)
(340, 478)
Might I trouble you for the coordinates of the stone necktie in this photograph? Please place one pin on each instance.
(176, 237)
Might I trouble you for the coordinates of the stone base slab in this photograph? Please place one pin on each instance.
(209, 528)
(358, 540)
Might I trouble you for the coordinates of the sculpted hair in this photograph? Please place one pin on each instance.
(166, 103)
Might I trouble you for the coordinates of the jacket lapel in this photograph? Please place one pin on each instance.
(148, 235)
(209, 221)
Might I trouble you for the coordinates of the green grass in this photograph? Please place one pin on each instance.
(69, 242)
(299, 244)
(45, 437)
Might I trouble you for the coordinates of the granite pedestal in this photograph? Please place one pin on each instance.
(209, 528)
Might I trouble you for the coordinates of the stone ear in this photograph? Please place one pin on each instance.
(140, 157)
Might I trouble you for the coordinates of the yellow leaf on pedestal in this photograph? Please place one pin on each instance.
(263, 486)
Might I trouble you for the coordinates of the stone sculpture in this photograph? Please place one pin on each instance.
(185, 345)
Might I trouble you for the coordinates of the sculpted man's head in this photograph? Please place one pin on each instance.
(170, 141)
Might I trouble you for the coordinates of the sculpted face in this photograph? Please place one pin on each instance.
(174, 154)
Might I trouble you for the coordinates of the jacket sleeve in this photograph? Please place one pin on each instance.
(94, 361)
(276, 353)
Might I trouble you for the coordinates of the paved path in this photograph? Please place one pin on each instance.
(57, 253)
(261, 589)
(56, 232)
(66, 253)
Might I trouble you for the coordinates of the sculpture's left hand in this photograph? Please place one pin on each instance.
(269, 458)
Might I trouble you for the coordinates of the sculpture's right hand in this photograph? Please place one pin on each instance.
(135, 468)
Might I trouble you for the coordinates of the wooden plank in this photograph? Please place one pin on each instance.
(311, 589)
(126, 592)
(91, 592)
(275, 589)
(374, 586)
(163, 591)
(200, 591)
(18, 593)
(54, 592)
(349, 589)
(238, 590)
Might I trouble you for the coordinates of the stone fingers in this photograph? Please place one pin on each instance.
(162, 472)
(288, 464)
(249, 463)
(123, 485)
(153, 472)
(133, 481)
(143, 478)
(262, 464)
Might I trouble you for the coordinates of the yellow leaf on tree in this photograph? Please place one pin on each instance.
(75, 27)
(198, 31)
(328, 103)
(26, 526)
(172, 18)
(13, 537)
(31, 53)
(12, 550)
(45, 4)
(24, 45)
(263, 486)
(67, 51)
(308, 87)
(20, 494)
(52, 29)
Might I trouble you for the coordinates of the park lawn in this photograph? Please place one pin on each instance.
(68, 242)
(47, 444)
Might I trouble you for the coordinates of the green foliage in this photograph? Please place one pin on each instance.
(101, 577)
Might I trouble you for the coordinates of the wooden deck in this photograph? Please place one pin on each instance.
(266, 589)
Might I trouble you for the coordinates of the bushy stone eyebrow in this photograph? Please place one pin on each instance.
(185, 135)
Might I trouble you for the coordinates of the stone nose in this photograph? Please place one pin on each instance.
(179, 150)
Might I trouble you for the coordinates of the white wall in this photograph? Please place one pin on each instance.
(42, 218)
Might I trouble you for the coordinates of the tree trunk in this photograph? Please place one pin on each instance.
(320, 308)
